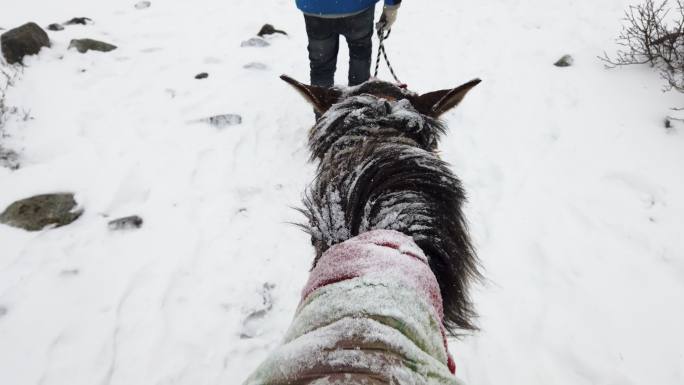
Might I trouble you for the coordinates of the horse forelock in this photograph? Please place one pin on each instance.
(367, 114)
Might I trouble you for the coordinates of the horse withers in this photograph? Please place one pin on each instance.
(394, 258)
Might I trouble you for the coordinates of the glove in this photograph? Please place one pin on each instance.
(389, 16)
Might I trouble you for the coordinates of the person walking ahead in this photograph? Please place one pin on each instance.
(326, 20)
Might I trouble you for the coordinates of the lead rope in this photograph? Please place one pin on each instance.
(381, 50)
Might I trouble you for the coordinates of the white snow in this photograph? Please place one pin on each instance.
(576, 192)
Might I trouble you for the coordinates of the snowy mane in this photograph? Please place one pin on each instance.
(368, 115)
(378, 171)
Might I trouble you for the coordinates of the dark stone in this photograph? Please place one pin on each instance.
(3, 311)
(671, 124)
(223, 121)
(142, 4)
(55, 27)
(34, 213)
(565, 61)
(255, 42)
(268, 29)
(202, 75)
(25, 40)
(85, 45)
(79, 21)
(126, 223)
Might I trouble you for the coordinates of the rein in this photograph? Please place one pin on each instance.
(381, 50)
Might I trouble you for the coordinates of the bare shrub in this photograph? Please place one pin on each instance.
(8, 75)
(651, 35)
(6, 81)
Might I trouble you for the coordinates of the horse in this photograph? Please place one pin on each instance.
(393, 256)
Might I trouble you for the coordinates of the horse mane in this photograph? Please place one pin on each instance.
(377, 169)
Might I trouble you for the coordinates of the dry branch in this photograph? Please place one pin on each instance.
(648, 38)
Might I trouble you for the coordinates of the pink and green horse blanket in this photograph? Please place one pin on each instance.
(371, 313)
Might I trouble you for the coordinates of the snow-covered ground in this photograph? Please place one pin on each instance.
(576, 192)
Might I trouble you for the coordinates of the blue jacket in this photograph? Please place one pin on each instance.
(338, 7)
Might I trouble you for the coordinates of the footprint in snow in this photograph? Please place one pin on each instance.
(212, 60)
(255, 66)
(255, 42)
(69, 273)
(646, 192)
(151, 49)
(251, 324)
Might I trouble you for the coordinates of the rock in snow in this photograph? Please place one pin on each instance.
(37, 212)
(21, 41)
(268, 29)
(85, 45)
(55, 27)
(126, 223)
(565, 61)
(202, 75)
(223, 121)
(142, 4)
(79, 21)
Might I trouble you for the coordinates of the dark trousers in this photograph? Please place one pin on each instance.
(324, 42)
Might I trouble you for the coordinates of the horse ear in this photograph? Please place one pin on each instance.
(321, 98)
(438, 102)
